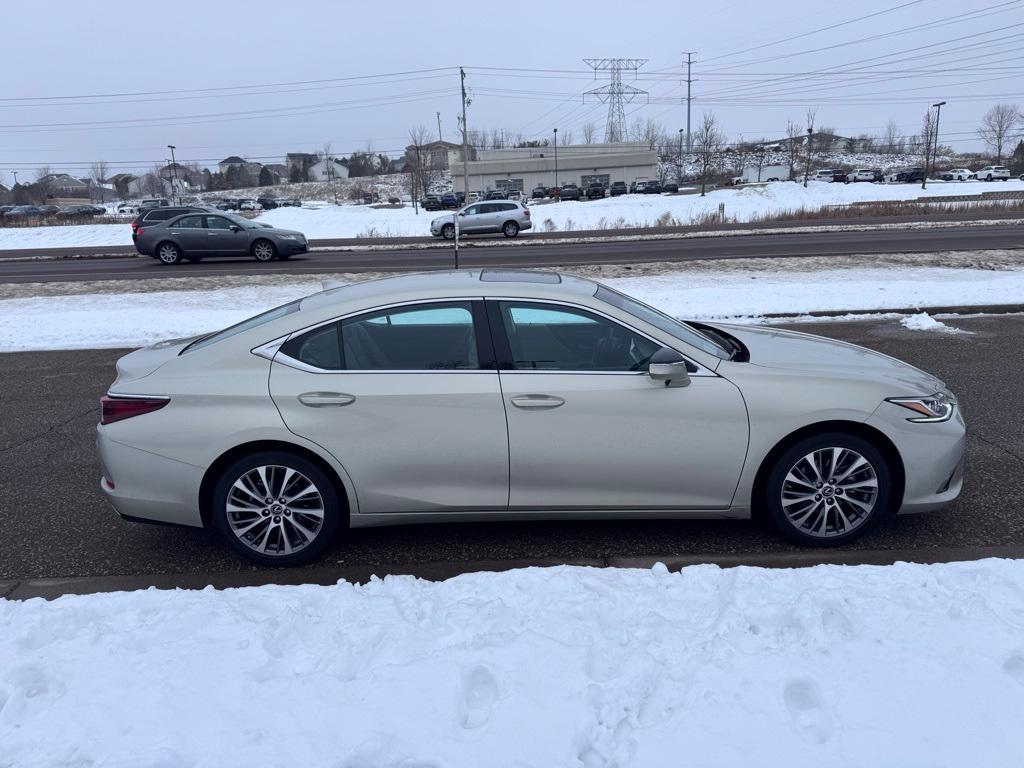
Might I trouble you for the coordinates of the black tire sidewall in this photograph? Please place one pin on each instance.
(506, 226)
(448, 231)
(332, 506)
(773, 487)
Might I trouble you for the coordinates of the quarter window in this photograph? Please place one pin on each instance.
(557, 338)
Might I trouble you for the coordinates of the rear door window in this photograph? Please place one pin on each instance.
(189, 222)
(422, 337)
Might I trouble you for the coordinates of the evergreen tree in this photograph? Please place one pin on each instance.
(265, 178)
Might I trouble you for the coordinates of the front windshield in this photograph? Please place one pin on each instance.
(661, 321)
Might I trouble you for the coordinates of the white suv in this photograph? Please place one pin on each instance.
(864, 174)
(992, 173)
(825, 174)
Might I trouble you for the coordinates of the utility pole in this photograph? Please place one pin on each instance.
(679, 172)
(174, 171)
(465, 154)
(440, 136)
(15, 177)
(556, 158)
(689, 80)
(807, 165)
(934, 141)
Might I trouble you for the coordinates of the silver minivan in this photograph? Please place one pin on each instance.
(485, 217)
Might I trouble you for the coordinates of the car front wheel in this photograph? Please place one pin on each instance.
(511, 229)
(448, 231)
(828, 489)
(276, 508)
(264, 250)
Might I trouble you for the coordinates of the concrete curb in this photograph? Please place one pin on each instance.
(50, 589)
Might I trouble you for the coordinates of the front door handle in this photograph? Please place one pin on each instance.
(537, 401)
(326, 399)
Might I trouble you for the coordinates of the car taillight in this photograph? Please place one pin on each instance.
(139, 231)
(526, 211)
(119, 408)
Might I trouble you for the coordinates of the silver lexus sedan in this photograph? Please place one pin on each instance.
(499, 395)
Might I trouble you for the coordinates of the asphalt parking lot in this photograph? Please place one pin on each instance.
(56, 524)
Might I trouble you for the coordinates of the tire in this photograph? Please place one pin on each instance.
(448, 231)
(264, 250)
(806, 503)
(510, 229)
(168, 253)
(263, 537)
(989, 177)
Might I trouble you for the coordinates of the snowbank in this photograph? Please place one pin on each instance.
(827, 666)
(135, 319)
(741, 204)
(922, 321)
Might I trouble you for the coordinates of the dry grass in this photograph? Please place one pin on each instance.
(888, 208)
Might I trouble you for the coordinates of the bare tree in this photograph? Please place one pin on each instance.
(567, 137)
(414, 159)
(892, 136)
(794, 133)
(997, 125)
(707, 143)
(759, 155)
(740, 157)
(99, 175)
(811, 114)
(589, 132)
(927, 138)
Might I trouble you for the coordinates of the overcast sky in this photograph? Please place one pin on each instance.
(64, 61)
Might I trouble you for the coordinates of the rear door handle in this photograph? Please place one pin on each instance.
(537, 401)
(326, 399)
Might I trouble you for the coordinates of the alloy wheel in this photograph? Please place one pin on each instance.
(168, 254)
(829, 492)
(275, 510)
(263, 251)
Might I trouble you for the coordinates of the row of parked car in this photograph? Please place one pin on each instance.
(22, 212)
(912, 175)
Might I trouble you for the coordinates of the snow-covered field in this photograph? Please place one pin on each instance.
(698, 291)
(320, 221)
(903, 665)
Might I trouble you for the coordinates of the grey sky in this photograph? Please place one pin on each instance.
(85, 49)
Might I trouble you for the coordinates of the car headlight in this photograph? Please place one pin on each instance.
(289, 237)
(932, 408)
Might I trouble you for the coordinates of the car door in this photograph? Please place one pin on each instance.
(590, 429)
(408, 401)
(190, 234)
(471, 219)
(225, 241)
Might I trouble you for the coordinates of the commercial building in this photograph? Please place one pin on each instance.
(524, 168)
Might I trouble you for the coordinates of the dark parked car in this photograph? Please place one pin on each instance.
(449, 200)
(595, 191)
(910, 175)
(194, 236)
(570, 192)
(23, 212)
(617, 188)
(49, 210)
(496, 194)
(289, 202)
(652, 188)
(670, 186)
(840, 176)
(268, 203)
(432, 203)
(539, 192)
(78, 212)
(554, 191)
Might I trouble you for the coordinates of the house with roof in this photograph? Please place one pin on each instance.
(234, 160)
(59, 185)
(327, 169)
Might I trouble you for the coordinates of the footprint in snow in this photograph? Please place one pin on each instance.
(478, 693)
(804, 702)
(1014, 667)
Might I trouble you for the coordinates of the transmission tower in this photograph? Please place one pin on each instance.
(616, 93)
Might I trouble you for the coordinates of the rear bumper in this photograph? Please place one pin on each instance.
(148, 487)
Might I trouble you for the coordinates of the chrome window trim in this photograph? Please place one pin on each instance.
(271, 349)
(702, 370)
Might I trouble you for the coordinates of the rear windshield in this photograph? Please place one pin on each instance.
(245, 325)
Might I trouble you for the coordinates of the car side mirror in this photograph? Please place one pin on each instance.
(670, 366)
(235, 228)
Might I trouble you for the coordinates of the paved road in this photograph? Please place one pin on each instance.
(55, 523)
(541, 254)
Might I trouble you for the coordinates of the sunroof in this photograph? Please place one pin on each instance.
(518, 276)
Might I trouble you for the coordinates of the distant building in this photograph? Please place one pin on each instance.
(435, 155)
(228, 162)
(525, 168)
(299, 164)
(327, 170)
(63, 185)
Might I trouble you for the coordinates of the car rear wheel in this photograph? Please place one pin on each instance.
(264, 250)
(276, 508)
(828, 489)
(511, 229)
(168, 253)
(448, 231)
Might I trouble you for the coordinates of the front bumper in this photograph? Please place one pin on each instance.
(933, 456)
(145, 486)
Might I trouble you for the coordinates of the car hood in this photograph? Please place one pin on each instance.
(277, 231)
(803, 352)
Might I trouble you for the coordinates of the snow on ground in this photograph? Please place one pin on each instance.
(127, 319)
(922, 321)
(319, 221)
(828, 666)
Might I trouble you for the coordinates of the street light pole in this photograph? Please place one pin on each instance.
(556, 157)
(174, 172)
(679, 171)
(15, 178)
(934, 142)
